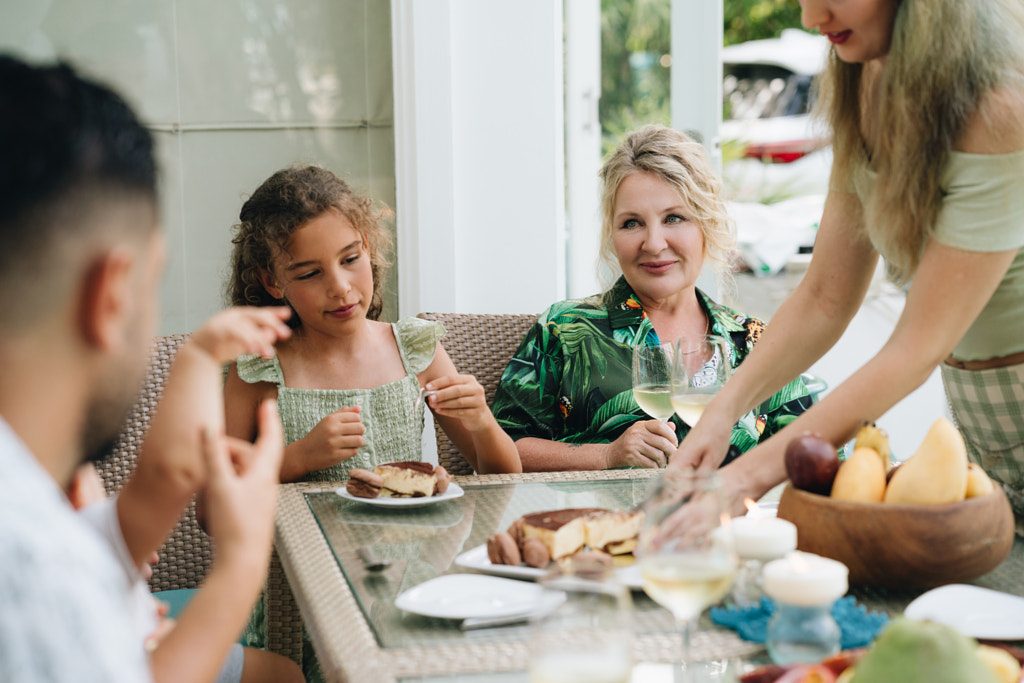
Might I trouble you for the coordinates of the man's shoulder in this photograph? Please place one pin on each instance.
(65, 605)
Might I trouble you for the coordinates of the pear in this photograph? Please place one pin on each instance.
(910, 651)
(872, 436)
(936, 473)
(861, 478)
(978, 483)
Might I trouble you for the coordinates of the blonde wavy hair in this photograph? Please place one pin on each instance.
(945, 56)
(681, 162)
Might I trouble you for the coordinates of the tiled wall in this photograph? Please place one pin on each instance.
(233, 90)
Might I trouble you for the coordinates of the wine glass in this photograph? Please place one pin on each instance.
(586, 637)
(686, 551)
(700, 368)
(652, 379)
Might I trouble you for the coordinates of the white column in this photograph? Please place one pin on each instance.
(697, 37)
(479, 104)
(424, 158)
(582, 144)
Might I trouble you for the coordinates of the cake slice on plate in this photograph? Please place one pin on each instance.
(613, 531)
(562, 531)
(407, 479)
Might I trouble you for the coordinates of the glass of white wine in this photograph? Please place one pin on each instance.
(700, 368)
(586, 639)
(686, 551)
(652, 379)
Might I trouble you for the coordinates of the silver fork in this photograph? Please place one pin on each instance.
(421, 399)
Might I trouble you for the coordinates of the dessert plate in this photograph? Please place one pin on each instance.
(476, 558)
(454, 491)
(974, 611)
(471, 596)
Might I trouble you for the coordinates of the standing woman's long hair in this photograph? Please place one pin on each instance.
(946, 55)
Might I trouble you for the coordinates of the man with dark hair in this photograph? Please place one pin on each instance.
(80, 262)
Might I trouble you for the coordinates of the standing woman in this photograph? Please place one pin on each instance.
(925, 99)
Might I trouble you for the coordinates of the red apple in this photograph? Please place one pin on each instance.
(811, 463)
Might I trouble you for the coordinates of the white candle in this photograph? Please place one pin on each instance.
(805, 580)
(763, 538)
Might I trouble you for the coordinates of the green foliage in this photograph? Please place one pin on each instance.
(755, 19)
(635, 47)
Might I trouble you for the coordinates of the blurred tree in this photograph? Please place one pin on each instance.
(754, 19)
(635, 55)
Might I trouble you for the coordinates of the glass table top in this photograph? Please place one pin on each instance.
(423, 543)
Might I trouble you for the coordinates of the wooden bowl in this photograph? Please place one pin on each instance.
(903, 546)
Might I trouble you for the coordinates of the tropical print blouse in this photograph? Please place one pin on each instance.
(571, 379)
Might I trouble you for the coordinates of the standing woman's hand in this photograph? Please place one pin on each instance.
(705, 446)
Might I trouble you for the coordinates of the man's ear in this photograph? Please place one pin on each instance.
(104, 298)
(270, 284)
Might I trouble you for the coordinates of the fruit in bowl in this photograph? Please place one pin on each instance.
(919, 530)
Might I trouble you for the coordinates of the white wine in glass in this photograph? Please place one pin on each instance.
(687, 555)
(700, 368)
(652, 379)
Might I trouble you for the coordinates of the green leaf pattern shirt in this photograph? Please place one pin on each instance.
(571, 378)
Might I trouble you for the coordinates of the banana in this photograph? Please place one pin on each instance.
(871, 436)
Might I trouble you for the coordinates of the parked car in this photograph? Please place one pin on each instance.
(768, 96)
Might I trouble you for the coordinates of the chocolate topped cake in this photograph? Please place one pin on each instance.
(562, 531)
(613, 531)
(407, 479)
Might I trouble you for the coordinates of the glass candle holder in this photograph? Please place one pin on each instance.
(759, 538)
(804, 588)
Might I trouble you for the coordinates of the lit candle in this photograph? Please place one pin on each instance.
(806, 580)
(762, 537)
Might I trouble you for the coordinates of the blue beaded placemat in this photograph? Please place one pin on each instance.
(858, 626)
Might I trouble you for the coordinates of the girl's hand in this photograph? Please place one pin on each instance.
(334, 439)
(243, 330)
(461, 397)
(644, 444)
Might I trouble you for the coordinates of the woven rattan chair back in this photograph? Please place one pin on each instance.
(186, 556)
(480, 344)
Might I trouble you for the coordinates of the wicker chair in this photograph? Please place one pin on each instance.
(480, 344)
(186, 556)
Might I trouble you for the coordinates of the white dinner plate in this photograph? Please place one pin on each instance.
(454, 491)
(472, 596)
(476, 558)
(974, 611)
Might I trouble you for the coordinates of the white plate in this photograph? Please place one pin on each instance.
(476, 558)
(471, 596)
(454, 491)
(974, 611)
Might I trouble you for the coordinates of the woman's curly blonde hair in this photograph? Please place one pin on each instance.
(681, 162)
(281, 205)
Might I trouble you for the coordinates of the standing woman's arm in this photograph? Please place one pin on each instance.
(804, 328)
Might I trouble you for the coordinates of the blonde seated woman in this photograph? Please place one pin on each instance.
(566, 396)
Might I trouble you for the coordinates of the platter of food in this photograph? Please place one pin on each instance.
(400, 485)
(476, 558)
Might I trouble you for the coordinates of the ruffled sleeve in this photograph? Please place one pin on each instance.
(254, 369)
(417, 339)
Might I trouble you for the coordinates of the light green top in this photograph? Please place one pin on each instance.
(982, 210)
(394, 432)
